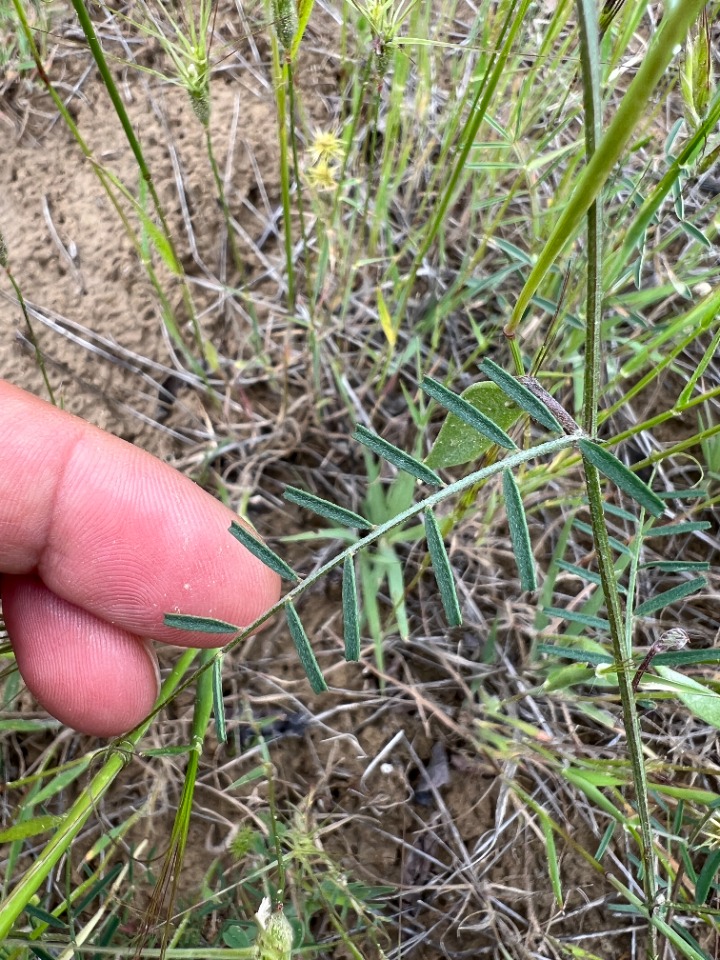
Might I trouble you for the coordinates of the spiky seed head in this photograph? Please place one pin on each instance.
(3, 252)
(286, 22)
(200, 100)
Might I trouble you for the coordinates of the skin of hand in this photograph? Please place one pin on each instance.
(98, 540)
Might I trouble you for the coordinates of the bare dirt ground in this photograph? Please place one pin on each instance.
(406, 787)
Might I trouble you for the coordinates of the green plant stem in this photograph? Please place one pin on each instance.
(478, 111)
(39, 359)
(106, 179)
(619, 630)
(167, 883)
(77, 815)
(114, 94)
(627, 697)
(296, 159)
(280, 74)
(234, 252)
(590, 61)
(675, 24)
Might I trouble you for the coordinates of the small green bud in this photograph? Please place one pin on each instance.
(275, 938)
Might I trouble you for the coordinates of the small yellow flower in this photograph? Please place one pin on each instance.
(322, 176)
(326, 146)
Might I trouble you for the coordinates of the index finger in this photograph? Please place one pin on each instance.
(111, 529)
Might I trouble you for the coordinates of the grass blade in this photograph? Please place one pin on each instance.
(263, 553)
(520, 395)
(442, 570)
(305, 651)
(519, 533)
(467, 413)
(326, 509)
(351, 612)
(623, 478)
(396, 456)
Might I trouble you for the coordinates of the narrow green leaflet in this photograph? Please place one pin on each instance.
(396, 456)
(305, 651)
(676, 529)
(467, 413)
(574, 616)
(520, 395)
(457, 443)
(551, 857)
(262, 552)
(623, 478)
(675, 658)
(675, 566)
(351, 613)
(326, 509)
(670, 596)
(519, 534)
(574, 653)
(61, 781)
(184, 621)
(29, 828)
(218, 700)
(442, 570)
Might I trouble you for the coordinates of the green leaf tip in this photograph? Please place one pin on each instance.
(519, 533)
(442, 570)
(624, 479)
(467, 413)
(305, 651)
(351, 612)
(183, 621)
(396, 456)
(263, 553)
(326, 509)
(520, 395)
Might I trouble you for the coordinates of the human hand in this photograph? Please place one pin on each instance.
(97, 541)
